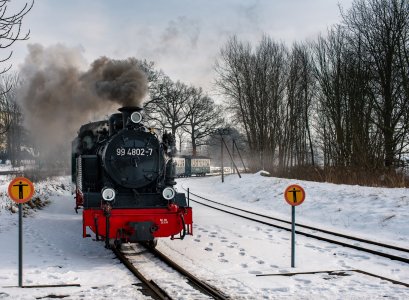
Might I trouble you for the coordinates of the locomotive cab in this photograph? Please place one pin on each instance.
(124, 179)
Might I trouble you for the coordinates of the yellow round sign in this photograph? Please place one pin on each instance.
(21, 190)
(294, 195)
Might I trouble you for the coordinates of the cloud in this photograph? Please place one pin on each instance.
(180, 36)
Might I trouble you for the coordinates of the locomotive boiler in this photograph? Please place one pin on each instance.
(124, 181)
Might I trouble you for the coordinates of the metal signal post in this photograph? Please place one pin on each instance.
(292, 236)
(294, 195)
(20, 191)
(20, 245)
(221, 150)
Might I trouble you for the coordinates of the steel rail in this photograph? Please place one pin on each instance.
(158, 293)
(31, 172)
(11, 172)
(200, 284)
(336, 272)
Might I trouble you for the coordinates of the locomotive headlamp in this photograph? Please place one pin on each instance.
(136, 117)
(108, 194)
(168, 193)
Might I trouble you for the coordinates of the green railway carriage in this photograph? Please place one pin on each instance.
(188, 165)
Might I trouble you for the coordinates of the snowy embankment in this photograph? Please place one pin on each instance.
(372, 212)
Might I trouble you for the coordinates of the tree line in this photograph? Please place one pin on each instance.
(339, 101)
(11, 131)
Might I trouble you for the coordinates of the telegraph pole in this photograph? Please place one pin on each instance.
(221, 151)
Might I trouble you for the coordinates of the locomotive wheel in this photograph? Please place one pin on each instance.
(110, 244)
(118, 244)
(119, 240)
(152, 244)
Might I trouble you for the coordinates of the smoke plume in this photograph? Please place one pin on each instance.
(120, 81)
(57, 95)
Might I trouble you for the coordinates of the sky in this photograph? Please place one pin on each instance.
(182, 37)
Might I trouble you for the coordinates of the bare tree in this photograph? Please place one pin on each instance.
(10, 116)
(300, 90)
(345, 108)
(7, 101)
(10, 27)
(204, 119)
(181, 138)
(382, 26)
(404, 68)
(332, 101)
(169, 107)
(233, 73)
(254, 83)
(268, 87)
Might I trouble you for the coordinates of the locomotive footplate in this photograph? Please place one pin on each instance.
(139, 224)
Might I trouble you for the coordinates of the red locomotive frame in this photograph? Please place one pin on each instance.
(168, 221)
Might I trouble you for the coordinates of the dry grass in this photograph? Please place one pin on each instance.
(30, 206)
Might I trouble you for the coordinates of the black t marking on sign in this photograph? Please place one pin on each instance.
(20, 189)
(294, 191)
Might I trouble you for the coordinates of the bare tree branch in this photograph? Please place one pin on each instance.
(11, 27)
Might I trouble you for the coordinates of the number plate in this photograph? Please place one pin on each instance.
(134, 151)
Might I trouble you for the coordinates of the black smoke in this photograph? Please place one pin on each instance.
(59, 92)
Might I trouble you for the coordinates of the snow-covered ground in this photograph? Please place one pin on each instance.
(227, 250)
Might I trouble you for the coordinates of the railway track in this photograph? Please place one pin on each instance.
(392, 252)
(35, 172)
(11, 172)
(171, 280)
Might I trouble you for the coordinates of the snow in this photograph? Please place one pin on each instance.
(56, 253)
(226, 250)
(344, 208)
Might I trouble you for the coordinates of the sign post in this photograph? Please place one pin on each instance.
(20, 191)
(294, 195)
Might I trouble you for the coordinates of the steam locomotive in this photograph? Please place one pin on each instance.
(124, 177)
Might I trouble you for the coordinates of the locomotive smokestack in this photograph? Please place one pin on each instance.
(131, 115)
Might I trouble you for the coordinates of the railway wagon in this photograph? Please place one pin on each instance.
(188, 165)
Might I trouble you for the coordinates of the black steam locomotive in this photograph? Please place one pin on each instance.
(124, 178)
